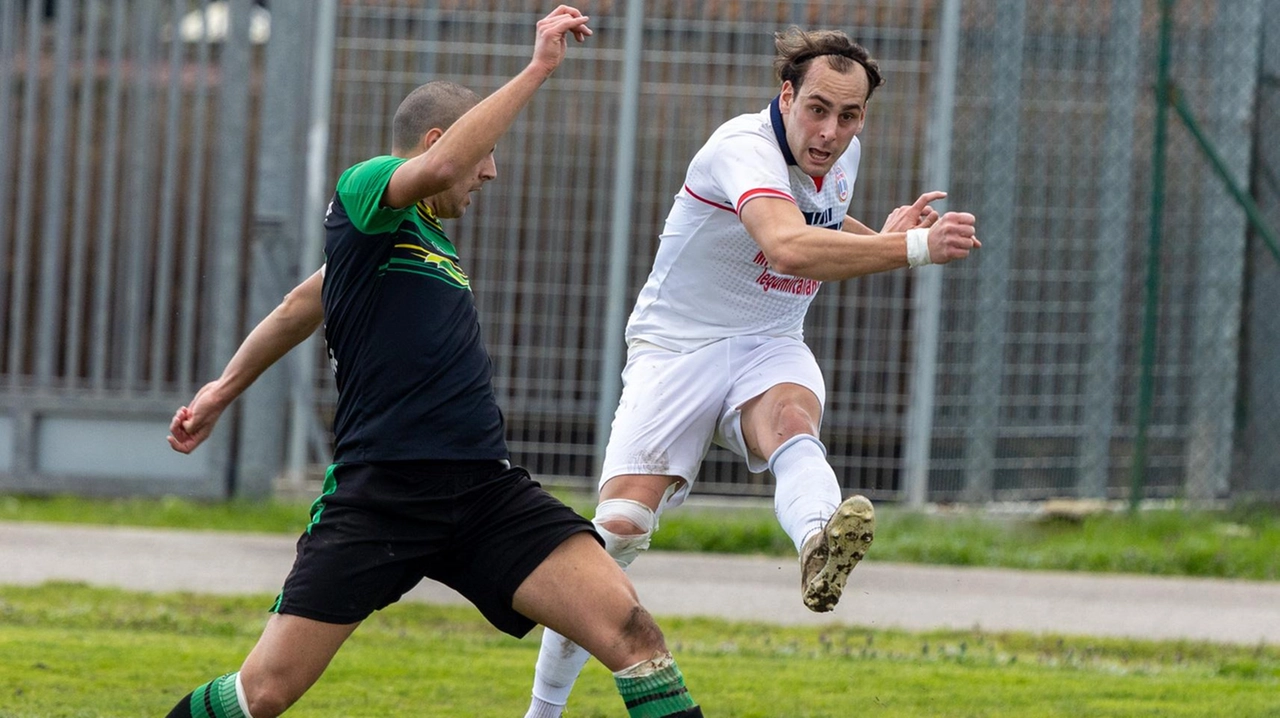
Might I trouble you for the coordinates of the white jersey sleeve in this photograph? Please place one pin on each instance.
(742, 166)
(710, 280)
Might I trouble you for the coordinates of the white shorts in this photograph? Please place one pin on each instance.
(675, 405)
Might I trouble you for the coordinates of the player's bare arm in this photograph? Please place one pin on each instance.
(293, 320)
(853, 226)
(799, 250)
(455, 154)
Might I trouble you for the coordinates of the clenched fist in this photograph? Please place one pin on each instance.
(952, 237)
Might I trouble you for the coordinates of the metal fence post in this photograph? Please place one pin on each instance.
(993, 261)
(272, 250)
(312, 236)
(74, 339)
(142, 149)
(1146, 380)
(926, 302)
(8, 52)
(1259, 470)
(162, 297)
(232, 141)
(620, 230)
(1115, 192)
(53, 229)
(13, 293)
(107, 195)
(1219, 280)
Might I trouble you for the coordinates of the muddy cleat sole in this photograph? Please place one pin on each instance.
(831, 554)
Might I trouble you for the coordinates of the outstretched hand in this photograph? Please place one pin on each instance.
(194, 423)
(917, 214)
(551, 44)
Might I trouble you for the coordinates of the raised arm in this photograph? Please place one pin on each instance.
(797, 249)
(292, 321)
(474, 135)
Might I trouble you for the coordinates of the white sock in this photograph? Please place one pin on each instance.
(539, 708)
(807, 492)
(240, 697)
(559, 663)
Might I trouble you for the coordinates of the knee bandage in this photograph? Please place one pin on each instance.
(625, 547)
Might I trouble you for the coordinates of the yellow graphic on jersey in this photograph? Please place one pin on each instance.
(423, 261)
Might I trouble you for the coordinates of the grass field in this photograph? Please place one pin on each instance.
(71, 651)
(68, 651)
(1240, 543)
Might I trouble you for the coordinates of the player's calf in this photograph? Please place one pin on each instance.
(653, 687)
(626, 527)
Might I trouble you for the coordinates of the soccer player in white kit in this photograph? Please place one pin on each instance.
(715, 341)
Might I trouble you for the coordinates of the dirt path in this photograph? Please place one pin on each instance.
(880, 595)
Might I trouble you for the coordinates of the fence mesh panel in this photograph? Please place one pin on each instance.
(1041, 348)
(185, 158)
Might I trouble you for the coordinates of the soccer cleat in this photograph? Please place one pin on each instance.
(829, 555)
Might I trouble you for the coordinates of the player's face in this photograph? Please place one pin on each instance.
(823, 117)
(453, 202)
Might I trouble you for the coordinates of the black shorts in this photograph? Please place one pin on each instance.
(379, 528)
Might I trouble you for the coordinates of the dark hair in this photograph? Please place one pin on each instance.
(433, 105)
(797, 48)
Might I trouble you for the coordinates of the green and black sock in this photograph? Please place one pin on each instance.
(655, 689)
(215, 699)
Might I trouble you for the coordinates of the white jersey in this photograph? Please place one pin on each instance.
(710, 280)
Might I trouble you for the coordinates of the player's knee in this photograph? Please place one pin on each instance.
(642, 634)
(626, 527)
(795, 418)
(269, 696)
(792, 405)
(266, 705)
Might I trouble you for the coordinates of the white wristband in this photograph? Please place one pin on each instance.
(918, 247)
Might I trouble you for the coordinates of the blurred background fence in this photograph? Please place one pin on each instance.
(164, 166)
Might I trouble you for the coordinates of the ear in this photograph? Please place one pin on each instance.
(786, 96)
(430, 138)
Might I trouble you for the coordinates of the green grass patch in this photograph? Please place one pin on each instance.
(167, 512)
(70, 650)
(1241, 543)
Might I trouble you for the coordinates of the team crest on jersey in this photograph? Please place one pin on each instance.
(842, 184)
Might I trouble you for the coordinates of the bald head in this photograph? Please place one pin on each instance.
(433, 105)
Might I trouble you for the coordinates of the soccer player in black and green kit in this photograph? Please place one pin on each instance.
(421, 485)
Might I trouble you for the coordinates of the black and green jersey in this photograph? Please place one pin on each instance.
(414, 379)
